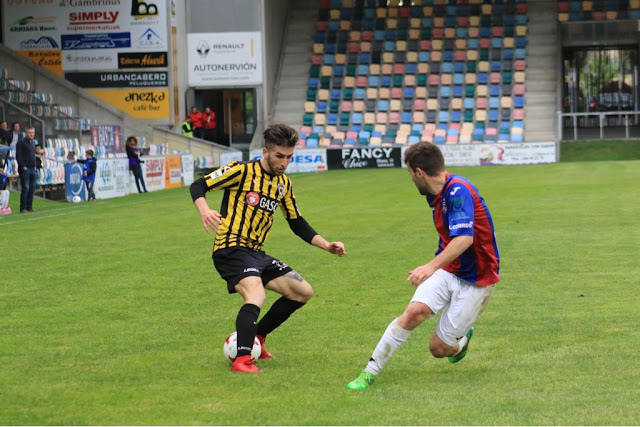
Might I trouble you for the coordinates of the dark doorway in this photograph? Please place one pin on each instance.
(235, 111)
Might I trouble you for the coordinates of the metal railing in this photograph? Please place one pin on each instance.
(581, 121)
(12, 113)
(60, 122)
(195, 146)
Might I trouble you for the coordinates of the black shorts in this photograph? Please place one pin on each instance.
(236, 263)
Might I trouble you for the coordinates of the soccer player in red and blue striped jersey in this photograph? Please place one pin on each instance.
(459, 280)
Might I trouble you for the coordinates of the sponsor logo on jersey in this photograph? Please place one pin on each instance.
(252, 198)
(461, 225)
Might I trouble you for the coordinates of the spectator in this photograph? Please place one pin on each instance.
(26, 157)
(135, 162)
(209, 120)
(196, 122)
(187, 130)
(4, 133)
(89, 173)
(4, 192)
(14, 135)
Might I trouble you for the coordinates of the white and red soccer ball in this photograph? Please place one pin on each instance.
(230, 348)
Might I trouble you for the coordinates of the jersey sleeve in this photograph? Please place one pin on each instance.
(288, 205)
(460, 210)
(225, 177)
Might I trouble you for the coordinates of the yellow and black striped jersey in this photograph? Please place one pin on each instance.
(251, 197)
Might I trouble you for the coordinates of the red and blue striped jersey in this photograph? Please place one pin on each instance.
(458, 210)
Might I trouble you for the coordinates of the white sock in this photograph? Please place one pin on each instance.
(463, 341)
(391, 340)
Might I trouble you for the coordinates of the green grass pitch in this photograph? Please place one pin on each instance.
(111, 313)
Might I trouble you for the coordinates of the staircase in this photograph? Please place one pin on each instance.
(542, 72)
(291, 95)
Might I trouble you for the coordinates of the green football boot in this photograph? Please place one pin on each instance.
(458, 357)
(364, 380)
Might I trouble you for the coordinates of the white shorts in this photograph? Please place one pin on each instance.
(463, 302)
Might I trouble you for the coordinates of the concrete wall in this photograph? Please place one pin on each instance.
(275, 13)
(223, 16)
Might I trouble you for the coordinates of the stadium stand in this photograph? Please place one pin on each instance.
(448, 72)
(41, 105)
(56, 151)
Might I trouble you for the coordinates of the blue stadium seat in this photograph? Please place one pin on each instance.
(383, 105)
(469, 103)
(445, 91)
(408, 92)
(518, 102)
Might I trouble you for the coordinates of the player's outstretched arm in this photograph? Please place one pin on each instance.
(210, 219)
(454, 249)
(336, 248)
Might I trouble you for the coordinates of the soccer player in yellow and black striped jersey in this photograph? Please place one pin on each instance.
(253, 191)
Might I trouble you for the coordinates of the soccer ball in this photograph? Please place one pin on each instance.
(230, 348)
(76, 199)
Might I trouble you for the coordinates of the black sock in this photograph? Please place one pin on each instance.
(277, 314)
(246, 328)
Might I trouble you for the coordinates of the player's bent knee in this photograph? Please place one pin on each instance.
(251, 291)
(414, 315)
(303, 293)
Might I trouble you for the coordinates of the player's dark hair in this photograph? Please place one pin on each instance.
(426, 156)
(280, 135)
(132, 140)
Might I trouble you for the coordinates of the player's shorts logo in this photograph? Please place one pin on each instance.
(253, 198)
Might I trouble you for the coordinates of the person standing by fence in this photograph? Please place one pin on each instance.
(89, 173)
(26, 157)
(135, 163)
